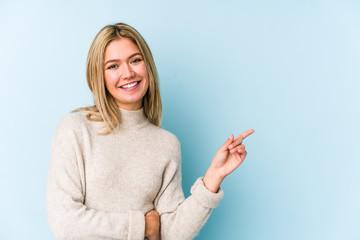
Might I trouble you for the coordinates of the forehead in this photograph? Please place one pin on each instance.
(120, 49)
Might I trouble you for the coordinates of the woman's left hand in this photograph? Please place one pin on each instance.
(231, 154)
(226, 160)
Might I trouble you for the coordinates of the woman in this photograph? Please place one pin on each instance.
(114, 173)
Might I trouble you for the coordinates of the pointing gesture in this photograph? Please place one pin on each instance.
(230, 155)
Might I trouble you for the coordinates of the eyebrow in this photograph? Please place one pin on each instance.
(117, 60)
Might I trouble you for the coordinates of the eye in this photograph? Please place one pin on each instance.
(112, 66)
(136, 60)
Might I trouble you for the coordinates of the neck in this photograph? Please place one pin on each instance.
(132, 119)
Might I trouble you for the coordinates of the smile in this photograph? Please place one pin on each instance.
(130, 86)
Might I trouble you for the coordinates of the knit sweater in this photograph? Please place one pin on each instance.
(101, 187)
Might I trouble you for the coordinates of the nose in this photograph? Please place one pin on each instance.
(127, 72)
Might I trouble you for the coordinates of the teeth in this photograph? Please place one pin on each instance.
(130, 85)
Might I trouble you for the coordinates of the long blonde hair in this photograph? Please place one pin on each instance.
(105, 108)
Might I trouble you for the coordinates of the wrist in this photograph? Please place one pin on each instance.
(212, 180)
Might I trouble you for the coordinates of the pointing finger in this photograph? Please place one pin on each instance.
(246, 133)
(238, 140)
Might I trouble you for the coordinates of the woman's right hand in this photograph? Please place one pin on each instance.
(152, 225)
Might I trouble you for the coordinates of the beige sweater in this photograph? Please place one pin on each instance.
(101, 187)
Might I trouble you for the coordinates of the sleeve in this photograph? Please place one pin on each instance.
(183, 218)
(68, 217)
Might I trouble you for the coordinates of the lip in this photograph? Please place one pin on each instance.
(130, 83)
(132, 88)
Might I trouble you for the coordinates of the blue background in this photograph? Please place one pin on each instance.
(288, 69)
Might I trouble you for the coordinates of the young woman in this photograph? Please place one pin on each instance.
(114, 172)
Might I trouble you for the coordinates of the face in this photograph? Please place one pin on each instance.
(126, 76)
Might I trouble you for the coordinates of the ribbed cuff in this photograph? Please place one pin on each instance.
(136, 225)
(204, 196)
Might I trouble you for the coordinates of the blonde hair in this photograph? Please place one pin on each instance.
(105, 109)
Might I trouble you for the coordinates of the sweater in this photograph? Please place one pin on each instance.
(101, 187)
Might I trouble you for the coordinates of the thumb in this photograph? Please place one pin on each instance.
(224, 147)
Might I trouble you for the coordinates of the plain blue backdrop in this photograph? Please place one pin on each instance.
(288, 69)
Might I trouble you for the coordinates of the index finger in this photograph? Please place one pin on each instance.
(246, 133)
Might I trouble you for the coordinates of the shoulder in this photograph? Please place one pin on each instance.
(71, 121)
(169, 136)
(165, 136)
(71, 124)
(167, 143)
(66, 129)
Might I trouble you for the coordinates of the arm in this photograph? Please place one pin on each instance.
(183, 218)
(68, 217)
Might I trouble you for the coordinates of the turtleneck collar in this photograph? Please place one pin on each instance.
(132, 119)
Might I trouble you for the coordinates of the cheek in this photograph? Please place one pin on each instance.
(143, 71)
(146, 78)
(146, 75)
(110, 78)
